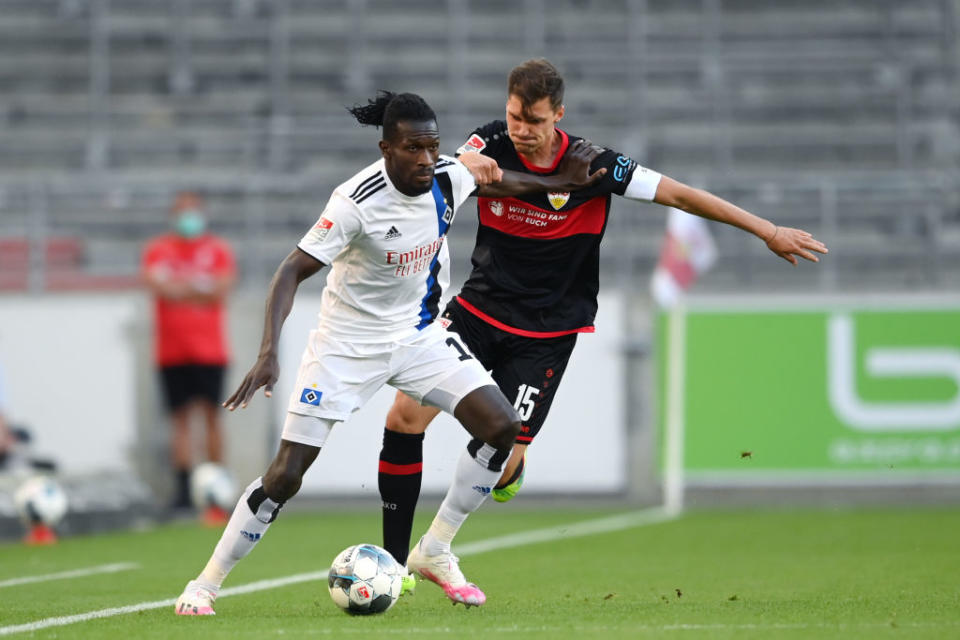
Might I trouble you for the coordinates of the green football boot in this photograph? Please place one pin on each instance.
(504, 494)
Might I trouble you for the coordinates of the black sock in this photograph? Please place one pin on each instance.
(513, 477)
(401, 469)
(182, 488)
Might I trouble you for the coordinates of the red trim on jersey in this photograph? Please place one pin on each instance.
(519, 332)
(564, 143)
(401, 469)
(518, 218)
(524, 439)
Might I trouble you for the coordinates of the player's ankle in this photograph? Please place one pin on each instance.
(433, 546)
(517, 472)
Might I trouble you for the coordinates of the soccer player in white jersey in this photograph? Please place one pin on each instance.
(383, 234)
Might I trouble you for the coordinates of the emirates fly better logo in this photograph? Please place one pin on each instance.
(415, 260)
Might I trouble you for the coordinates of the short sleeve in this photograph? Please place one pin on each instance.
(226, 263)
(338, 225)
(460, 179)
(150, 255)
(154, 260)
(625, 177)
(490, 139)
(643, 184)
(474, 144)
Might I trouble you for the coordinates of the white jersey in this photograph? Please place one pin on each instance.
(387, 253)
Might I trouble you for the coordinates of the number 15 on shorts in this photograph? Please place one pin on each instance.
(524, 404)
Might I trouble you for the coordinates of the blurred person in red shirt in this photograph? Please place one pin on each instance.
(190, 273)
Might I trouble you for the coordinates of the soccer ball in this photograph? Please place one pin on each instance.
(211, 485)
(365, 579)
(40, 500)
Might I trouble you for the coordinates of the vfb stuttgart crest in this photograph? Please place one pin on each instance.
(496, 207)
(558, 199)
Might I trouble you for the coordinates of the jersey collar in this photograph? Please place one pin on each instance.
(399, 194)
(564, 143)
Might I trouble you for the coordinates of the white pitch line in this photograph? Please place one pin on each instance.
(579, 529)
(83, 617)
(618, 522)
(250, 587)
(76, 573)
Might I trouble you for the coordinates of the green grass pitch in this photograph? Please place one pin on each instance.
(746, 574)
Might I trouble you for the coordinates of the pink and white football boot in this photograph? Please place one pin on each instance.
(444, 570)
(196, 600)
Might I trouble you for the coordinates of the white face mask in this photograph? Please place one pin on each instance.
(190, 223)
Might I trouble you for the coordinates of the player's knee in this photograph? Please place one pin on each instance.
(504, 430)
(406, 416)
(281, 483)
(489, 418)
(282, 480)
(401, 420)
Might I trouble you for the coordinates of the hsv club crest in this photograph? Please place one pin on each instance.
(558, 199)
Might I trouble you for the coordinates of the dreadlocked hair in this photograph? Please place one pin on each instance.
(389, 108)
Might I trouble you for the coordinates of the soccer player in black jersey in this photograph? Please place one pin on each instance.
(535, 277)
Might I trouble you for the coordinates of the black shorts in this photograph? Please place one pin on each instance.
(185, 382)
(527, 370)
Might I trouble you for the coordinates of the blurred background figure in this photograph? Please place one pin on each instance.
(190, 273)
(39, 500)
(6, 435)
(16, 456)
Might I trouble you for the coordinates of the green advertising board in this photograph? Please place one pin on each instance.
(838, 393)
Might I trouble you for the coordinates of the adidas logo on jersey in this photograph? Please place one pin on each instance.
(392, 233)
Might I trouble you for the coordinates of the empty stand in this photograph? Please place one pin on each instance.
(839, 116)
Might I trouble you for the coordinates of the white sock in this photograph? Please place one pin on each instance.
(472, 482)
(243, 531)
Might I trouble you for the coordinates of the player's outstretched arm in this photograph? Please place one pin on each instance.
(295, 268)
(783, 241)
(572, 174)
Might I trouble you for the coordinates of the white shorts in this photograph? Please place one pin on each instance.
(336, 378)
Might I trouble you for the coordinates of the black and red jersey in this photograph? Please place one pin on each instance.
(537, 257)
